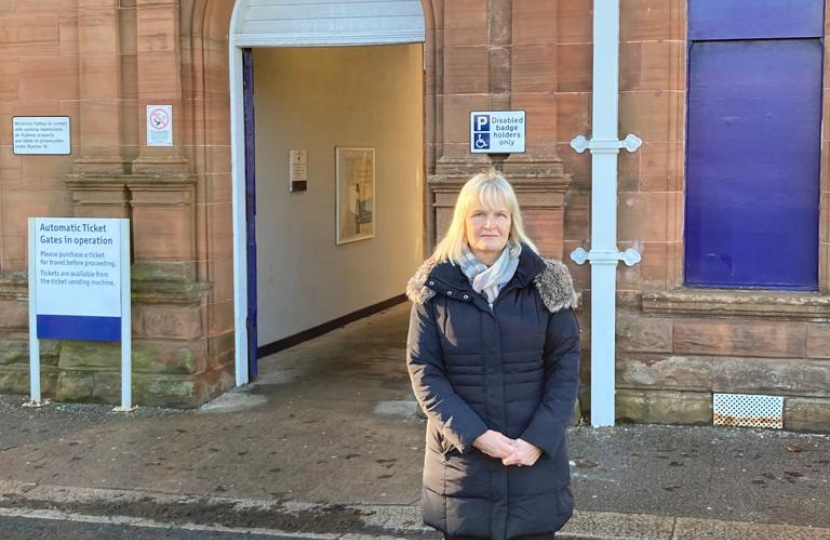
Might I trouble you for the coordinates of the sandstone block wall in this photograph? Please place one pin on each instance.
(101, 62)
(677, 346)
(671, 358)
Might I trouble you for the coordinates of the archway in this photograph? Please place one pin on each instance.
(280, 33)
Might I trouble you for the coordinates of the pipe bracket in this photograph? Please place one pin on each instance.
(631, 143)
(630, 257)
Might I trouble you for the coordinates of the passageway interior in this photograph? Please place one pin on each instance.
(362, 361)
(317, 100)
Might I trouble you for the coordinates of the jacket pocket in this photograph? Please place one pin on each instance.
(447, 448)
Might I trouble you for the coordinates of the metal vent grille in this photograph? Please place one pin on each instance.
(748, 411)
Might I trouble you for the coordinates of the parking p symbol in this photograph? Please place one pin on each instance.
(481, 122)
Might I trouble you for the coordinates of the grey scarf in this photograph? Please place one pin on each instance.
(489, 281)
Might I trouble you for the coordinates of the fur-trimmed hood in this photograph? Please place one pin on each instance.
(416, 289)
(550, 276)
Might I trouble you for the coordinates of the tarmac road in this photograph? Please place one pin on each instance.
(15, 528)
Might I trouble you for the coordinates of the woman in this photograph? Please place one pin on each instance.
(493, 354)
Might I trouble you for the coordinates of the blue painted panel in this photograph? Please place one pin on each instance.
(752, 189)
(250, 205)
(755, 19)
(79, 328)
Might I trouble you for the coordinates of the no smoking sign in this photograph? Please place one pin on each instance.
(159, 125)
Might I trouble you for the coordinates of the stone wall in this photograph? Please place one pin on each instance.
(536, 56)
(676, 346)
(102, 61)
(683, 346)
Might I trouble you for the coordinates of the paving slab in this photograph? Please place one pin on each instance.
(597, 525)
(707, 529)
(708, 472)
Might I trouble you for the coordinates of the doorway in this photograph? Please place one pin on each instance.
(342, 102)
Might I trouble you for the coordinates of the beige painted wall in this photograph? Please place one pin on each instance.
(317, 99)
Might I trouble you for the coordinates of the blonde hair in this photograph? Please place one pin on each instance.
(492, 190)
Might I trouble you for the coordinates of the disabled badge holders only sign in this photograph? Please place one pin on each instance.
(497, 132)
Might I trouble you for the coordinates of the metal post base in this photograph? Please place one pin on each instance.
(33, 404)
(126, 410)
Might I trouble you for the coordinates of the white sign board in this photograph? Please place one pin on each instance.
(78, 267)
(41, 135)
(79, 288)
(497, 132)
(159, 125)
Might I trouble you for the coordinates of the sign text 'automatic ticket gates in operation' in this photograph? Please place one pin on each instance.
(79, 289)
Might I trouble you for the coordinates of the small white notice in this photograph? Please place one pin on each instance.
(497, 132)
(298, 173)
(41, 135)
(299, 165)
(159, 125)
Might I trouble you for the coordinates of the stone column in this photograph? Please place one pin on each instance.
(501, 55)
(96, 183)
(159, 62)
(162, 187)
(534, 74)
(500, 46)
(99, 48)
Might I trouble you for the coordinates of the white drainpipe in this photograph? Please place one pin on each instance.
(604, 256)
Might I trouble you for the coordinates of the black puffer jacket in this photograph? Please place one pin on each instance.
(513, 369)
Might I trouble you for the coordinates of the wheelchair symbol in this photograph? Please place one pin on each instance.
(482, 141)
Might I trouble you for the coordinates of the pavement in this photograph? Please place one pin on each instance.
(326, 444)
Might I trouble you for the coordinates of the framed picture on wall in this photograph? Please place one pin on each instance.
(355, 182)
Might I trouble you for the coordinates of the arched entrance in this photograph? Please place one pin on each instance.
(338, 99)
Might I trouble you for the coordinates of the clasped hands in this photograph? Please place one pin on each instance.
(509, 451)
